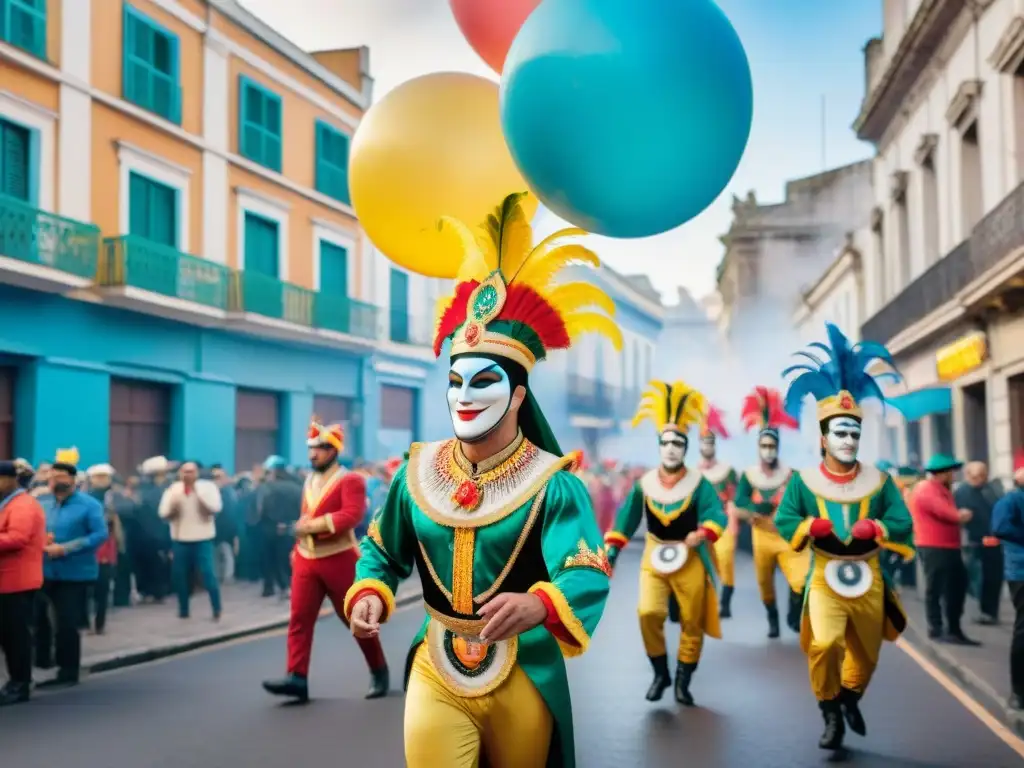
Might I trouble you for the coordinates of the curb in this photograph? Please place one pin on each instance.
(134, 658)
(972, 684)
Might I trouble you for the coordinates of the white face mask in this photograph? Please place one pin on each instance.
(672, 448)
(479, 394)
(707, 448)
(768, 450)
(843, 439)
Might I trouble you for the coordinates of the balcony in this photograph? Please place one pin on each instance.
(968, 274)
(45, 252)
(590, 402)
(407, 329)
(138, 274)
(341, 314)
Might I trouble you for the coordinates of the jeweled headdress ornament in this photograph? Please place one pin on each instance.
(763, 410)
(712, 423)
(840, 382)
(676, 406)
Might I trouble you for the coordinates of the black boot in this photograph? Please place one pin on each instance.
(65, 678)
(291, 686)
(725, 609)
(380, 683)
(684, 673)
(14, 693)
(773, 619)
(796, 611)
(850, 702)
(662, 679)
(832, 737)
(673, 609)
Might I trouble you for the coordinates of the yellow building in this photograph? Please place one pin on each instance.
(178, 252)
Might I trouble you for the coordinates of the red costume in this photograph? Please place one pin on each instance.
(323, 565)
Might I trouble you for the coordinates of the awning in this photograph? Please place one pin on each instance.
(923, 402)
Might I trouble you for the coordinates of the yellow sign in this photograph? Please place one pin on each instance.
(962, 356)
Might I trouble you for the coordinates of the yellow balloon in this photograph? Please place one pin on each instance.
(432, 147)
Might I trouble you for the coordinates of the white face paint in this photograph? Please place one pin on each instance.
(768, 450)
(479, 394)
(672, 448)
(843, 439)
(707, 447)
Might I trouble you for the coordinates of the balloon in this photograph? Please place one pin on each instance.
(627, 118)
(432, 147)
(490, 26)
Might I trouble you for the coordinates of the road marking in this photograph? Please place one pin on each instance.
(999, 729)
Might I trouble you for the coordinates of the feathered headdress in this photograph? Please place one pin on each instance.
(330, 435)
(712, 423)
(506, 302)
(763, 410)
(671, 406)
(840, 382)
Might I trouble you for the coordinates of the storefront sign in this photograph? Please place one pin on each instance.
(962, 356)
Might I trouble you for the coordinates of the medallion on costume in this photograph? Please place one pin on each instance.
(519, 522)
(847, 514)
(758, 494)
(683, 515)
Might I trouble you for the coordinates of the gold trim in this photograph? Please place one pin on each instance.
(538, 503)
(567, 617)
(667, 518)
(798, 540)
(311, 549)
(373, 531)
(485, 467)
(812, 478)
(435, 637)
(712, 526)
(382, 590)
(468, 627)
(433, 574)
(494, 344)
(314, 498)
(463, 549)
(585, 557)
(616, 539)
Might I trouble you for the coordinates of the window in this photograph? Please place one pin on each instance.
(333, 269)
(152, 210)
(261, 245)
(913, 435)
(257, 428)
(332, 162)
(259, 124)
(399, 305)
(970, 178)
(398, 408)
(139, 422)
(942, 433)
(151, 66)
(23, 25)
(330, 409)
(7, 381)
(15, 161)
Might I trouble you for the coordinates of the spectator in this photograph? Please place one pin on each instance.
(120, 503)
(190, 505)
(984, 556)
(22, 538)
(76, 528)
(937, 530)
(152, 556)
(1008, 525)
(278, 506)
(25, 473)
(226, 525)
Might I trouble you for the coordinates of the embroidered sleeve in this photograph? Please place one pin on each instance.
(628, 519)
(791, 518)
(710, 514)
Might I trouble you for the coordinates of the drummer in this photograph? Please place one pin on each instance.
(684, 517)
(847, 513)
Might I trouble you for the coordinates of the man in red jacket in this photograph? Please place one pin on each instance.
(22, 538)
(324, 562)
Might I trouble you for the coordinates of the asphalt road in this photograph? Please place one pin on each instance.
(755, 708)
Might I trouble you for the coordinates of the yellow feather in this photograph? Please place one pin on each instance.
(592, 322)
(537, 272)
(513, 235)
(569, 297)
(474, 260)
(645, 413)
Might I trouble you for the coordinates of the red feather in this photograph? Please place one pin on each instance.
(454, 315)
(526, 306)
(714, 422)
(764, 408)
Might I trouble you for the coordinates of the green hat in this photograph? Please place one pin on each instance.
(908, 471)
(940, 462)
(884, 465)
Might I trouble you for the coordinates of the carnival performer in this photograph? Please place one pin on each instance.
(683, 514)
(758, 494)
(723, 478)
(846, 513)
(501, 531)
(324, 562)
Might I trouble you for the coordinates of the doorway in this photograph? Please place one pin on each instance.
(975, 423)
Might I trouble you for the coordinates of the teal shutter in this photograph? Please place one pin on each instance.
(333, 269)
(152, 210)
(259, 124)
(23, 24)
(150, 66)
(138, 206)
(399, 304)
(261, 252)
(15, 160)
(332, 149)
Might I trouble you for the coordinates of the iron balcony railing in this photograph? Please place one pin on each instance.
(590, 397)
(33, 236)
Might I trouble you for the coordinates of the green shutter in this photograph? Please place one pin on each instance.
(23, 24)
(259, 124)
(152, 210)
(332, 148)
(333, 269)
(150, 66)
(261, 252)
(15, 162)
(399, 304)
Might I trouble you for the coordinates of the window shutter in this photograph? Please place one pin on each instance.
(14, 163)
(333, 269)
(129, 86)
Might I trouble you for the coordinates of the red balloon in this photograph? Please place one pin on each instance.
(490, 26)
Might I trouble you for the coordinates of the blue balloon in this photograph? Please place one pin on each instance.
(627, 117)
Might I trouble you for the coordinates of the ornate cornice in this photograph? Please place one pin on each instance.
(926, 148)
(1008, 54)
(963, 104)
(898, 186)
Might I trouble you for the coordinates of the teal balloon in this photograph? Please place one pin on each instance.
(627, 117)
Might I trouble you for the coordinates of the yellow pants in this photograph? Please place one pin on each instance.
(771, 551)
(845, 634)
(698, 607)
(725, 553)
(512, 725)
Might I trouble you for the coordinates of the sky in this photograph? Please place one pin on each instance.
(804, 55)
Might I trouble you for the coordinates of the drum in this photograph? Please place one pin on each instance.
(848, 578)
(469, 666)
(667, 558)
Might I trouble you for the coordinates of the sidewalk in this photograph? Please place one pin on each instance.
(983, 672)
(147, 632)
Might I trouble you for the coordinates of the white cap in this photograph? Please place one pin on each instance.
(100, 469)
(155, 465)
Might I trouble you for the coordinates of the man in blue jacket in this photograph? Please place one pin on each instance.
(75, 528)
(1008, 525)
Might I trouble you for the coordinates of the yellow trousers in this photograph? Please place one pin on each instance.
(511, 726)
(845, 634)
(771, 551)
(725, 553)
(698, 607)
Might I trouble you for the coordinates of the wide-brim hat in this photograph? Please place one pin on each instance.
(940, 462)
(907, 471)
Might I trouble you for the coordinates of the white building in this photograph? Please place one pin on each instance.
(944, 106)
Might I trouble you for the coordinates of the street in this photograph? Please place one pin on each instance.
(207, 709)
